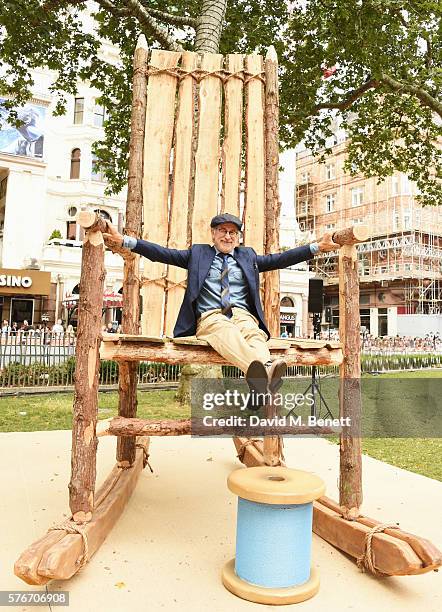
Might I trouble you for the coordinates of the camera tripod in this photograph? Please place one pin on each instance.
(315, 384)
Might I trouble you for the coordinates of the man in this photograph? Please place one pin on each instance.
(58, 328)
(222, 304)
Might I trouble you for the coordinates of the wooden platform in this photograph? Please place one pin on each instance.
(121, 347)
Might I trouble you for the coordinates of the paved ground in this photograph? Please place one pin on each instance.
(178, 530)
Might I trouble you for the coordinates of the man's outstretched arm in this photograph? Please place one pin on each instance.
(150, 250)
(277, 261)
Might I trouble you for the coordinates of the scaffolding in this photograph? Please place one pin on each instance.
(405, 251)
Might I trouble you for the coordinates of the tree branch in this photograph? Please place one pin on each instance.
(349, 99)
(151, 26)
(423, 96)
(171, 18)
(115, 11)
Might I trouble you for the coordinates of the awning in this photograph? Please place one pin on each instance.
(110, 300)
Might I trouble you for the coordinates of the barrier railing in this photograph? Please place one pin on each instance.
(30, 359)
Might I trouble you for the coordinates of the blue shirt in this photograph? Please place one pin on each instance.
(210, 294)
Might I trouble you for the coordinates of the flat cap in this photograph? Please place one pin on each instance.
(226, 218)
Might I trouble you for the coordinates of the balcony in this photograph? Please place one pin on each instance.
(61, 254)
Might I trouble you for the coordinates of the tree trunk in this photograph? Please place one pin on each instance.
(208, 35)
(210, 26)
(127, 381)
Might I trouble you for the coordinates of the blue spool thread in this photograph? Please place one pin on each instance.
(273, 543)
(274, 535)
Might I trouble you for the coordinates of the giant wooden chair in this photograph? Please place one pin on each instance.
(174, 187)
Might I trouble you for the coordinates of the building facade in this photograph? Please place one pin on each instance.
(47, 174)
(400, 266)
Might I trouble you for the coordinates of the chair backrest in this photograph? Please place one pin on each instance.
(205, 143)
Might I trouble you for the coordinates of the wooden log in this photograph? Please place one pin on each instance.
(157, 151)
(181, 192)
(272, 444)
(352, 235)
(392, 555)
(127, 381)
(84, 441)
(430, 556)
(250, 451)
(123, 427)
(56, 554)
(120, 426)
(205, 204)
(272, 203)
(170, 352)
(254, 201)
(350, 401)
(26, 566)
(232, 145)
(93, 222)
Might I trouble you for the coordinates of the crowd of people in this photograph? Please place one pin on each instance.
(431, 343)
(44, 331)
(386, 345)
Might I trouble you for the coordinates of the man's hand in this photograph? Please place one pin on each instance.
(112, 238)
(326, 243)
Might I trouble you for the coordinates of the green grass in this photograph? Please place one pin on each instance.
(54, 411)
(420, 455)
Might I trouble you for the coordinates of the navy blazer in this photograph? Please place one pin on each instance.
(198, 259)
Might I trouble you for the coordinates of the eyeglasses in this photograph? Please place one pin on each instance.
(224, 232)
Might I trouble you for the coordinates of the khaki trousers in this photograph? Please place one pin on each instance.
(239, 339)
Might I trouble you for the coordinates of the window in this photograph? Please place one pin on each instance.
(330, 226)
(22, 310)
(365, 318)
(305, 177)
(302, 208)
(405, 185)
(394, 185)
(71, 230)
(104, 214)
(396, 221)
(330, 202)
(78, 110)
(96, 173)
(330, 172)
(75, 164)
(407, 219)
(358, 221)
(357, 196)
(99, 115)
(287, 302)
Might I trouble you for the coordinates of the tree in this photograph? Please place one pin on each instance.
(384, 84)
(385, 91)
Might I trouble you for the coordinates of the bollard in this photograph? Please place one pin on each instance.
(273, 535)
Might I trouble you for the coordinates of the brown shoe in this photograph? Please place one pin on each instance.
(276, 371)
(257, 379)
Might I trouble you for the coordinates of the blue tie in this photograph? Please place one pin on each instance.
(226, 308)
